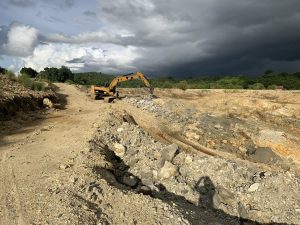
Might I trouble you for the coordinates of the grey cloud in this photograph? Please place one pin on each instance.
(89, 13)
(209, 36)
(21, 3)
(77, 60)
(189, 37)
(69, 3)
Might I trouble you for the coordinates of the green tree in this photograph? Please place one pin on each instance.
(268, 72)
(57, 75)
(29, 71)
(64, 73)
(2, 70)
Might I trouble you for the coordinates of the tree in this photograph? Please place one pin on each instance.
(2, 70)
(269, 71)
(64, 73)
(57, 75)
(29, 71)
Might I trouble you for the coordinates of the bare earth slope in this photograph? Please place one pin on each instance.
(94, 163)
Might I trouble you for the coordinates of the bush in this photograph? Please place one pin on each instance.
(29, 83)
(37, 86)
(69, 82)
(257, 86)
(183, 85)
(10, 75)
(272, 87)
(25, 80)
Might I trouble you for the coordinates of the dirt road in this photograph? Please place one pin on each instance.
(33, 157)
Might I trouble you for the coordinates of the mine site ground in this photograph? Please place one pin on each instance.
(178, 157)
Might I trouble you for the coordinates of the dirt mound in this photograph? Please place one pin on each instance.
(15, 98)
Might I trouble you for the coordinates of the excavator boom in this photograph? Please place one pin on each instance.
(101, 91)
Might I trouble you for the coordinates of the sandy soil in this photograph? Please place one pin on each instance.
(31, 157)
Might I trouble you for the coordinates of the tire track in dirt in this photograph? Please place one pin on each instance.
(13, 209)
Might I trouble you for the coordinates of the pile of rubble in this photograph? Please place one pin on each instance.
(238, 188)
(229, 133)
(14, 98)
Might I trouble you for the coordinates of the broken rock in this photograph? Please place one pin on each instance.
(168, 170)
(47, 103)
(254, 187)
(192, 136)
(119, 149)
(130, 180)
(169, 152)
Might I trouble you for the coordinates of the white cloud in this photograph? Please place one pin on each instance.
(21, 40)
(82, 58)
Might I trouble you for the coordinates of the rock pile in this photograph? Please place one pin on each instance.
(238, 188)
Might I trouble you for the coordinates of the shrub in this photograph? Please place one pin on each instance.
(10, 75)
(70, 82)
(25, 80)
(166, 84)
(257, 86)
(183, 85)
(272, 87)
(37, 86)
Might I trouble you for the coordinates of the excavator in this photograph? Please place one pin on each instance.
(109, 90)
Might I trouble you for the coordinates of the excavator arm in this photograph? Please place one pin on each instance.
(132, 76)
(110, 90)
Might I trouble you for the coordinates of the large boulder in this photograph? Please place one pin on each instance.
(47, 103)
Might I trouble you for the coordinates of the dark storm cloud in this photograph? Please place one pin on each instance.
(209, 36)
(171, 37)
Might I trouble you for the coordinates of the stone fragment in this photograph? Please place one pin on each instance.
(64, 166)
(130, 180)
(188, 159)
(120, 129)
(169, 152)
(218, 126)
(168, 170)
(119, 149)
(192, 136)
(254, 187)
(47, 103)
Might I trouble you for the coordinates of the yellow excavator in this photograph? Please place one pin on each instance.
(109, 90)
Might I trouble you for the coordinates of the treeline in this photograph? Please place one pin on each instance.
(268, 80)
(265, 81)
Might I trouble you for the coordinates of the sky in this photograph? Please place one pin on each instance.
(169, 37)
